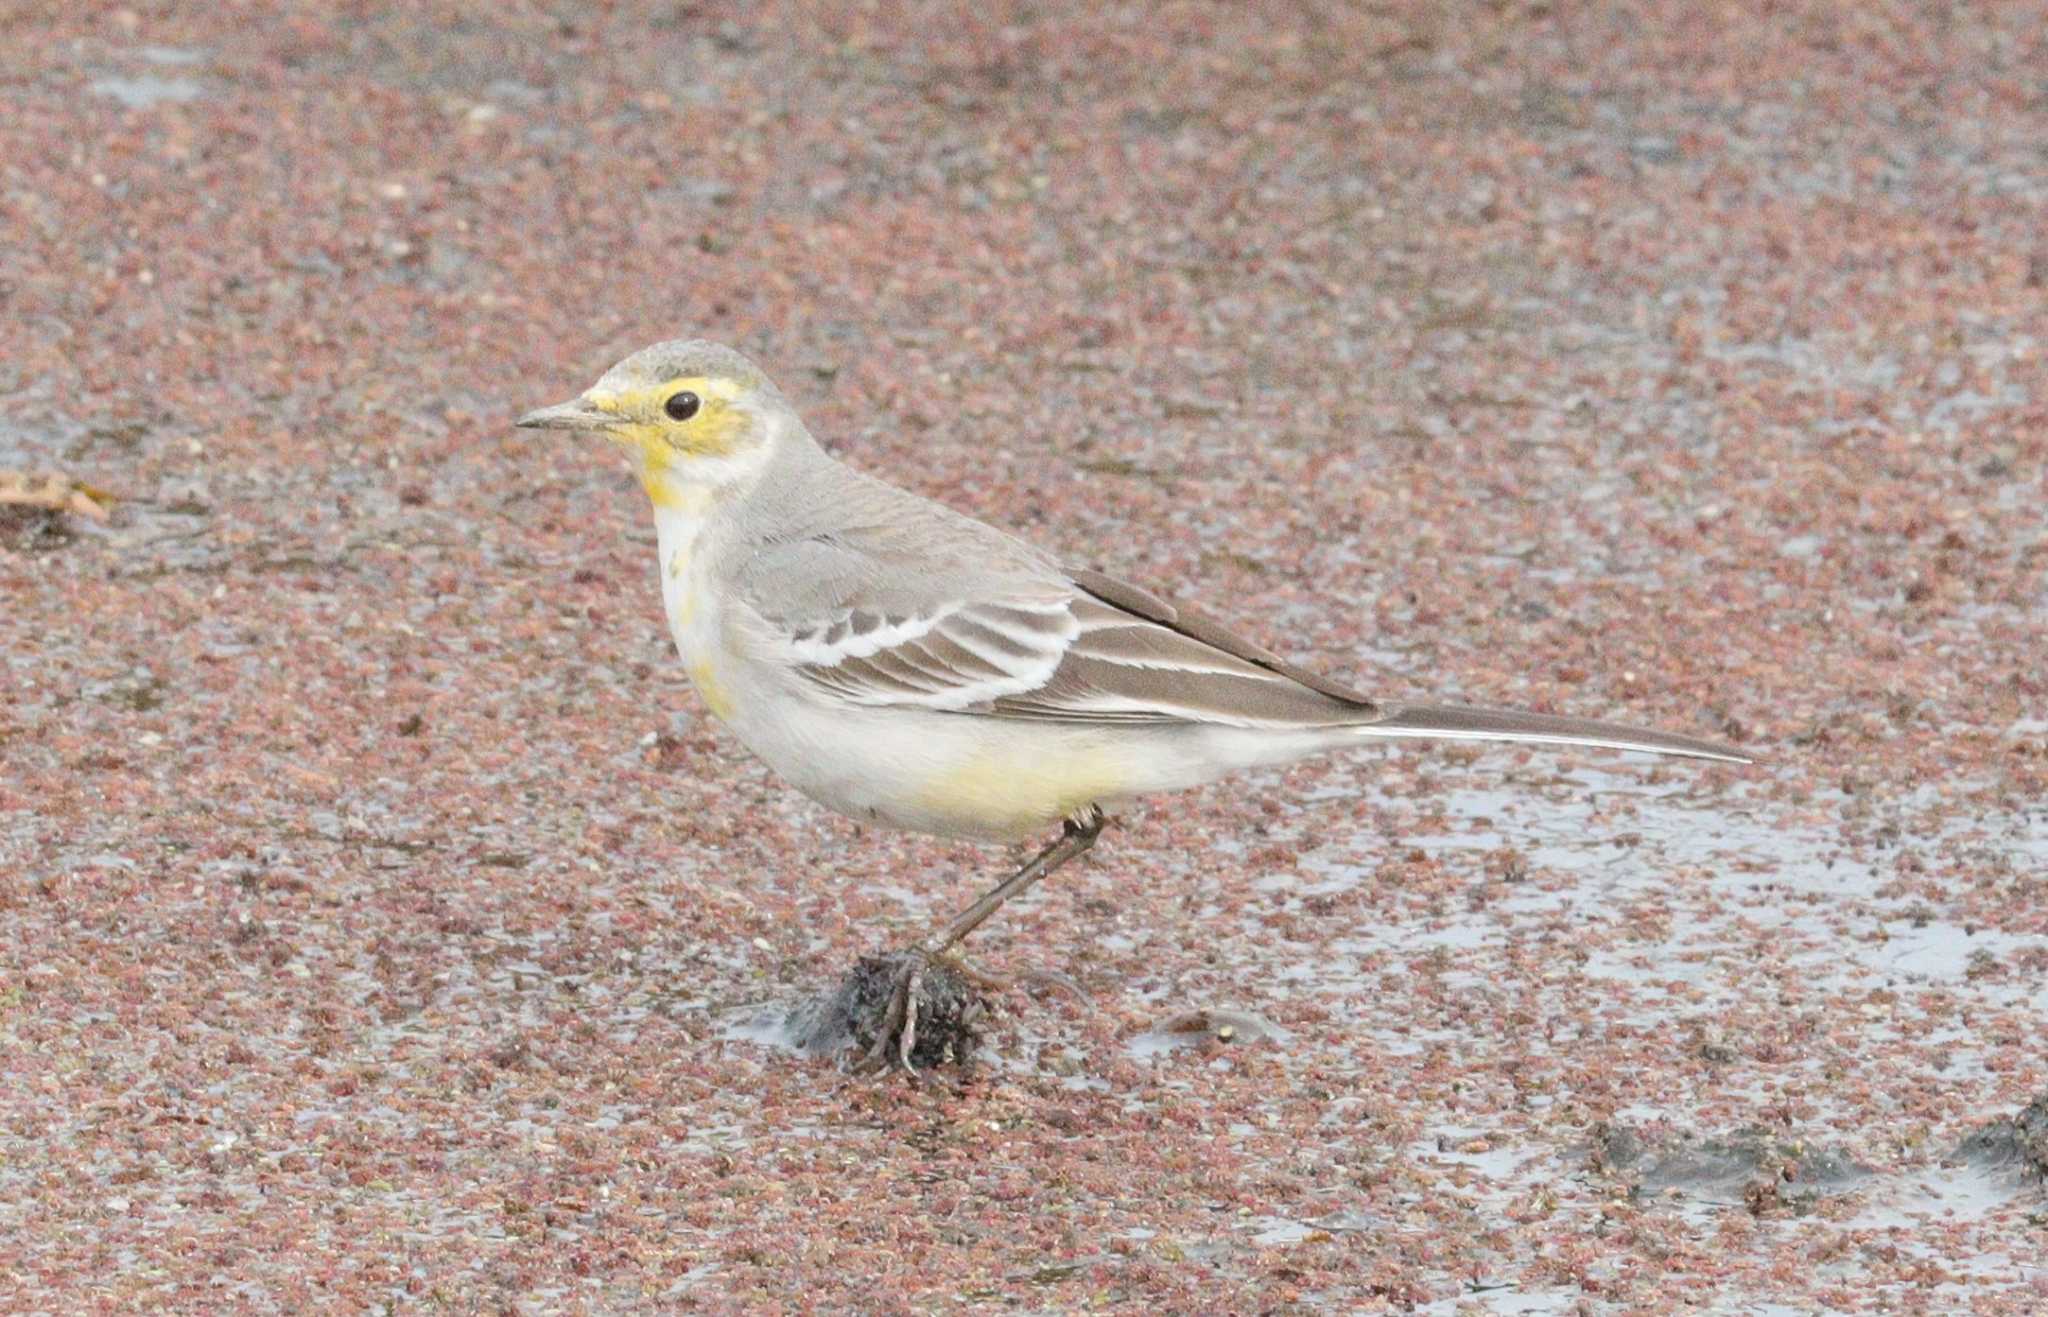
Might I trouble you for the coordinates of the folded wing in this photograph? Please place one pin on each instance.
(957, 655)
(1028, 642)
(1138, 658)
(1018, 638)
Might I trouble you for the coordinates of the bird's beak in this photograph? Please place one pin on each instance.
(575, 414)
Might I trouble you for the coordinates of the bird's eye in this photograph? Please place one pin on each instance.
(682, 406)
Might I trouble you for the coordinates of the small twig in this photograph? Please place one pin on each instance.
(54, 493)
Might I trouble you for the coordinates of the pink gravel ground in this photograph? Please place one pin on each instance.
(377, 903)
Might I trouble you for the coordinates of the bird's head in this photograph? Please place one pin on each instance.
(696, 416)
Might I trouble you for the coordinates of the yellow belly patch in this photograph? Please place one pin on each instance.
(1020, 792)
(715, 696)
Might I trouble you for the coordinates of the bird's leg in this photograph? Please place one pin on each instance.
(1076, 836)
(898, 1034)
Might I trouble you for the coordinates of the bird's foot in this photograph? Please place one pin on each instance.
(911, 1010)
(995, 981)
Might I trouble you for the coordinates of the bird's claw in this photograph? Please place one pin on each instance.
(899, 1023)
(928, 1001)
(994, 980)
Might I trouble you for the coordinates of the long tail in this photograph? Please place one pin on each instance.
(1450, 722)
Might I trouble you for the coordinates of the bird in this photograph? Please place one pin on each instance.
(909, 666)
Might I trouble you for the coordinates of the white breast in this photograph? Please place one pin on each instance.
(691, 606)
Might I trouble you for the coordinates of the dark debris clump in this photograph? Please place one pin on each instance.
(856, 1011)
(2012, 1143)
(1752, 1166)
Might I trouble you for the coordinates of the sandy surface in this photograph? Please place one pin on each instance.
(384, 924)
